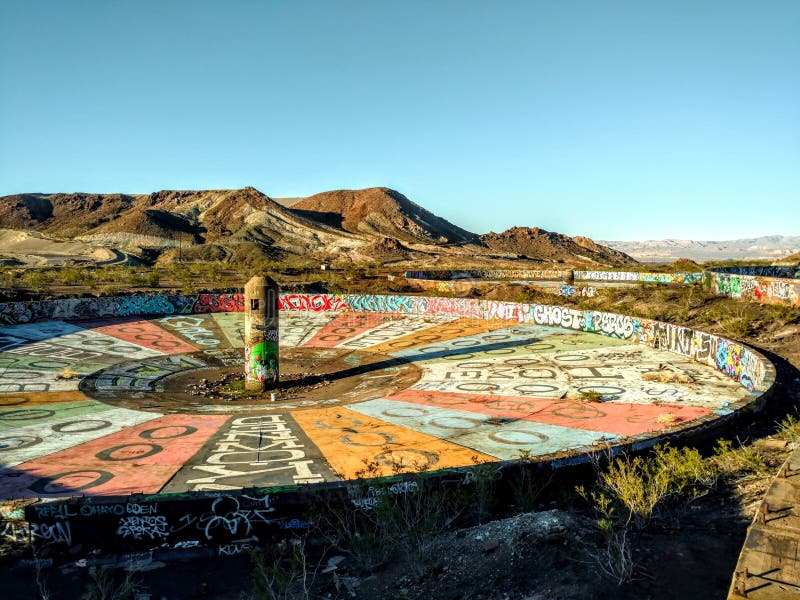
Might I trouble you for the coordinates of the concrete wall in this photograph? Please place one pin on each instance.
(636, 276)
(733, 359)
(553, 275)
(527, 274)
(457, 286)
(771, 284)
(756, 283)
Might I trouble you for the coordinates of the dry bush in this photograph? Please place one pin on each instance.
(667, 376)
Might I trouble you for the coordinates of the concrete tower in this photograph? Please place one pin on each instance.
(260, 333)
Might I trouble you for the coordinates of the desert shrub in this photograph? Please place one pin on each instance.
(284, 571)
(739, 460)
(789, 430)
(591, 396)
(631, 491)
(635, 488)
(393, 518)
(70, 276)
(153, 278)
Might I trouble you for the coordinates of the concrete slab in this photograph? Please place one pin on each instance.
(139, 459)
(261, 450)
(464, 388)
(356, 445)
(769, 564)
(346, 326)
(48, 436)
(502, 439)
(142, 333)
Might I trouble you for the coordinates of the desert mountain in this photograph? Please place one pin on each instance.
(379, 212)
(538, 243)
(375, 224)
(789, 261)
(770, 247)
(65, 215)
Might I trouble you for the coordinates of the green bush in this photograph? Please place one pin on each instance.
(634, 489)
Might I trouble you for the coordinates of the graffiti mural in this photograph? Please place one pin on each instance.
(775, 285)
(262, 362)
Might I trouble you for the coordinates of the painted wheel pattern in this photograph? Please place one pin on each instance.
(486, 390)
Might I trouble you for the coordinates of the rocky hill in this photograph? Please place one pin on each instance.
(345, 226)
(380, 212)
(538, 243)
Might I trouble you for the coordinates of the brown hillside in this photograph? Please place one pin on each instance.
(62, 215)
(343, 226)
(789, 261)
(382, 212)
(546, 245)
(149, 222)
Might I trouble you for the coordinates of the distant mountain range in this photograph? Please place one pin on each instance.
(345, 226)
(769, 247)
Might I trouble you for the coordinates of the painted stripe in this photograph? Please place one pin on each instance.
(232, 326)
(357, 445)
(604, 417)
(38, 398)
(142, 333)
(297, 328)
(200, 330)
(12, 418)
(256, 450)
(565, 341)
(45, 330)
(92, 341)
(34, 441)
(45, 365)
(138, 459)
(504, 440)
(391, 330)
(439, 333)
(498, 340)
(346, 326)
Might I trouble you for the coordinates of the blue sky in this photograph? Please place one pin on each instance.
(615, 120)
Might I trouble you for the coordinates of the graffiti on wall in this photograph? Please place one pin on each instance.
(524, 274)
(754, 287)
(311, 302)
(681, 277)
(262, 361)
(737, 362)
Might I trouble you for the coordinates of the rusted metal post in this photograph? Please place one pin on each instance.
(260, 333)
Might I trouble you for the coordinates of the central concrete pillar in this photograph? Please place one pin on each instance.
(260, 333)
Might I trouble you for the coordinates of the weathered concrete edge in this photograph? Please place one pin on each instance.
(760, 529)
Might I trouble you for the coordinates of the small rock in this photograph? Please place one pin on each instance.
(773, 443)
(333, 563)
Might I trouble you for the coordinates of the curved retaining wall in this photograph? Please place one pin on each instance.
(732, 358)
(222, 520)
(770, 284)
(554, 275)
(461, 286)
(775, 285)
(528, 274)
